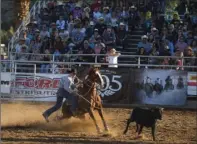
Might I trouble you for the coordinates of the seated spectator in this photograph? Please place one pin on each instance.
(114, 21)
(112, 58)
(176, 19)
(172, 34)
(77, 37)
(86, 49)
(19, 45)
(77, 12)
(64, 34)
(96, 15)
(27, 40)
(58, 44)
(44, 32)
(96, 5)
(164, 49)
(109, 37)
(164, 33)
(61, 24)
(57, 55)
(181, 45)
(53, 28)
(87, 11)
(194, 46)
(153, 52)
(70, 24)
(124, 15)
(142, 52)
(46, 44)
(134, 18)
(154, 32)
(145, 44)
(46, 58)
(121, 36)
(189, 38)
(101, 26)
(90, 30)
(106, 15)
(189, 53)
(21, 55)
(93, 38)
(98, 45)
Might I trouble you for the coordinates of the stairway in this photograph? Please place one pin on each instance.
(133, 40)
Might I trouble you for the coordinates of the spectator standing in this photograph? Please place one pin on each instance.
(112, 58)
(121, 36)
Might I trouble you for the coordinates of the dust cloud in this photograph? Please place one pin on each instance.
(25, 115)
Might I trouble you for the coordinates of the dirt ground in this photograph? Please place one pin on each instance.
(23, 124)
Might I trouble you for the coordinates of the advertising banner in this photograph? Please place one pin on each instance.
(160, 87)
(41, 87)
(5, 82)
(116, 85)
(192, 84)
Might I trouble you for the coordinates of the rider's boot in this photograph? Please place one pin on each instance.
(45, 117)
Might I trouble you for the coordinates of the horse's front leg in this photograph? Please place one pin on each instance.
(91, 113)
(100, 111)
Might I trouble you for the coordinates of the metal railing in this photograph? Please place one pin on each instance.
(68, 60)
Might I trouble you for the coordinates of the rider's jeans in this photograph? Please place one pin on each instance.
(61, 94)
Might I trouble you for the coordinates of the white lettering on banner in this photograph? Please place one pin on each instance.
(5, 82)
(42, 85)
(192, 83)
(109, 89)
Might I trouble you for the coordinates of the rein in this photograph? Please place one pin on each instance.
(90, 87)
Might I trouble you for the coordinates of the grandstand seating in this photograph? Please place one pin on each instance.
(134, 34)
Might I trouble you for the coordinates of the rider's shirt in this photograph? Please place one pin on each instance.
(67, 82)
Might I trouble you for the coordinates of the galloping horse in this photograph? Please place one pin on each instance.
(89, 100)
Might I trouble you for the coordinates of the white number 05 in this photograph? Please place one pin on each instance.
(114, 80)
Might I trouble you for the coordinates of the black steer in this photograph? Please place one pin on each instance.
(144, 117)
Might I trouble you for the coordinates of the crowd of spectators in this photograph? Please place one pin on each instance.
(78, 27)
(176, 37)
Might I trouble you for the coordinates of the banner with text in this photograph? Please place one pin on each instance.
(39, 87)
(192, 84)
(5, 82)
(160, 87)
(116, 85)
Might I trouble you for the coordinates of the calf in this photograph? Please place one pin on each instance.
(144, 117)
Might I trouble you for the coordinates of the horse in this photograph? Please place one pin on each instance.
(89, 100)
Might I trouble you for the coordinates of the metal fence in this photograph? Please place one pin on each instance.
(59, 63)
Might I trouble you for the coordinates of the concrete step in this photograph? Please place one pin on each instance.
(128, 62)
(134, 41)
(131, 50)
(132, 45)
(138, 33)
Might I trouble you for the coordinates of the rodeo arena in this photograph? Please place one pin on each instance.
(101, 71)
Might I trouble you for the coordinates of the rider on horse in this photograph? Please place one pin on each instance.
(66, 90)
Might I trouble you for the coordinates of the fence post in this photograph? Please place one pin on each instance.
(139, 62)
(53, 66)
(34, 82)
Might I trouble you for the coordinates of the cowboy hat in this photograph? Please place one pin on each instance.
(144, 37)
(106, 8)
(87, 9)
(122, 24)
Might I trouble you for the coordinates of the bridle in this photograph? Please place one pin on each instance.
(85, 82)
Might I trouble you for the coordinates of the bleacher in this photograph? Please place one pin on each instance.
(37, 17)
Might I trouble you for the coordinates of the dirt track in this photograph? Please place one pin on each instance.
(22, 123)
